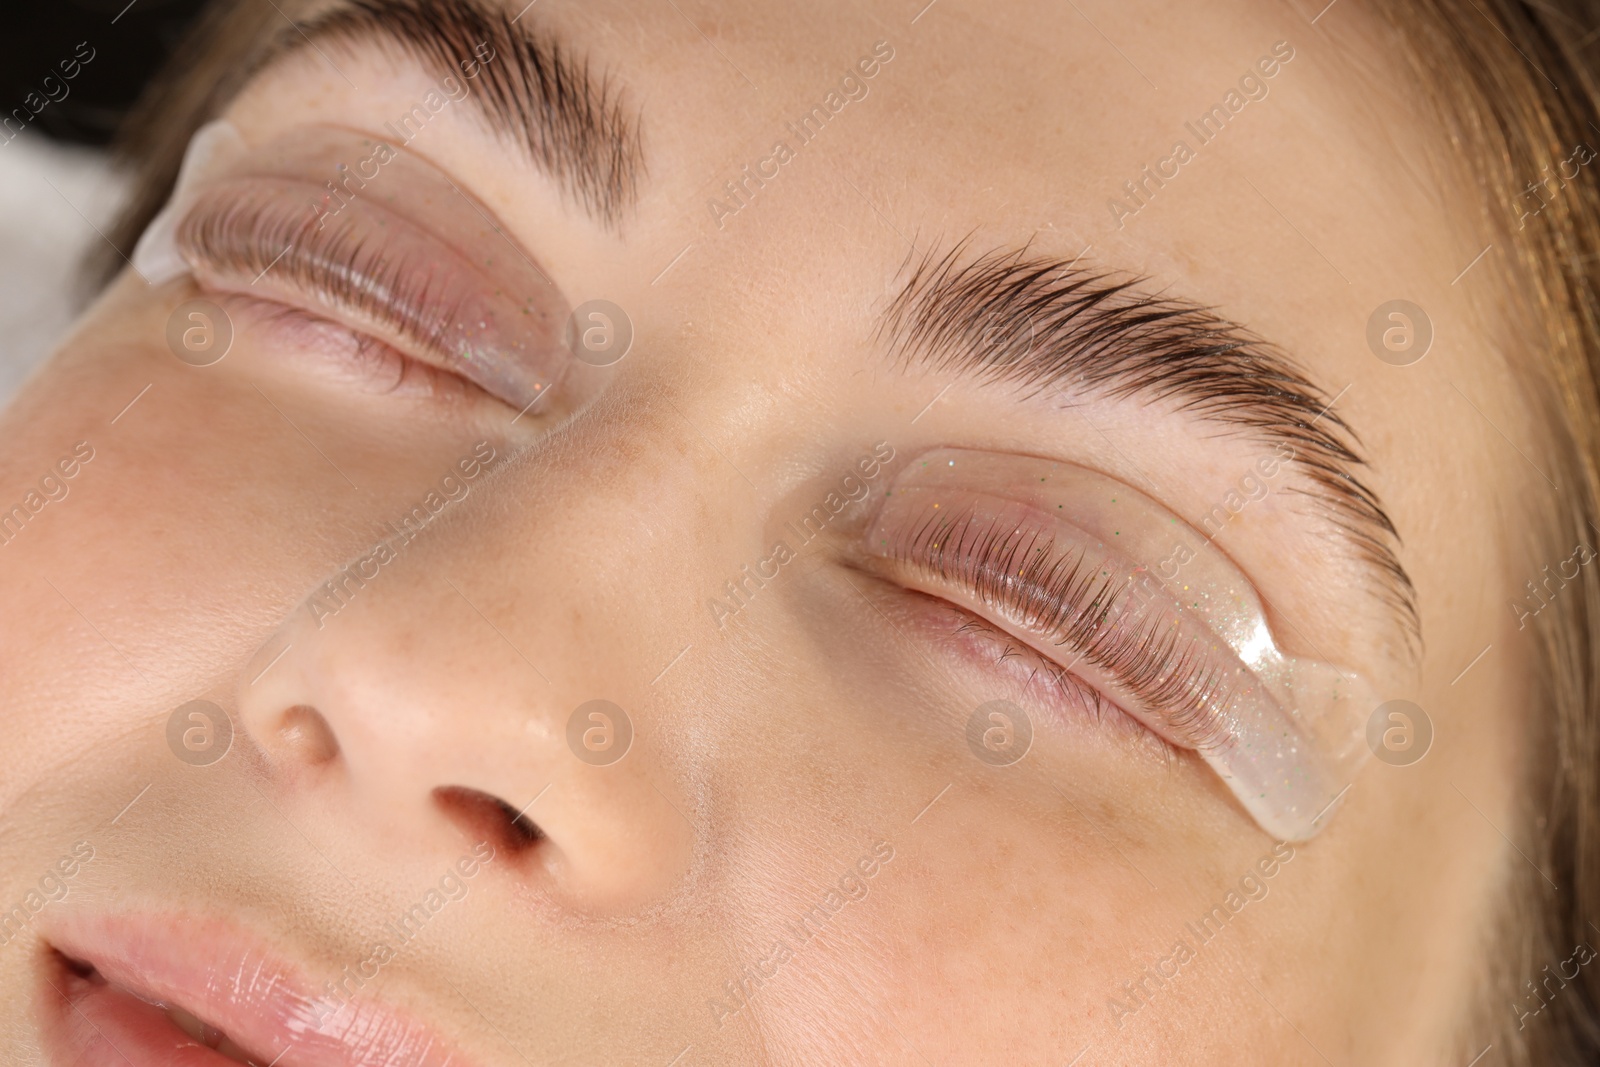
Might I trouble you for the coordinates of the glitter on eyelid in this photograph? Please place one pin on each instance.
(1284, 732)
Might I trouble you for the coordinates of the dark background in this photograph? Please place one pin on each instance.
(35, 35)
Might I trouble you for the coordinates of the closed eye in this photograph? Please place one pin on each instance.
(405, 258)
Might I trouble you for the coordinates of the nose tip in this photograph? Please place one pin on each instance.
(307, 736)
(413, 715)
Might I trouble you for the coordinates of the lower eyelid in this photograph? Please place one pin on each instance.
(1057, 689)
(1023, 675)
(357, 359)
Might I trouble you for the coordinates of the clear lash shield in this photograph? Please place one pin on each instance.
(375, 237)
(1105, 582)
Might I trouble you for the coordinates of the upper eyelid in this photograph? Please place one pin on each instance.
(1194, 660)
(249, 237)
(1062, 600)
(395, 265)
(573, 118)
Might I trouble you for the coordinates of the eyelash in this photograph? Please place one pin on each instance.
(1065, 601)
(1056, 677)
(251, 236)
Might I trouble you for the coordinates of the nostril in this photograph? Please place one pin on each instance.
(484, 816)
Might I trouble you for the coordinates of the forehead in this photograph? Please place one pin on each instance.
(1174, 140)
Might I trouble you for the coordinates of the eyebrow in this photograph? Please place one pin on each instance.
(1050, 326)
(573, 124)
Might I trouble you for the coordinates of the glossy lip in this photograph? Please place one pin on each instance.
(232, 980)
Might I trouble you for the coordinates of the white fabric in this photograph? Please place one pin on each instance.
(51, 199)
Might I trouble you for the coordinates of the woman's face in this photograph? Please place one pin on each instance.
(842, 238)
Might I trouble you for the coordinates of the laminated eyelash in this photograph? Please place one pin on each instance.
(249, 235)
(419, 267)
(1085, 606)
(1050, 553)
(1055, 675)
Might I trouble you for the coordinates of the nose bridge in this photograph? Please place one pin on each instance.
(506, 645)
(598, 536)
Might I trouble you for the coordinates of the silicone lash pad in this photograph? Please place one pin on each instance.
(1285, 733)
(283, 220)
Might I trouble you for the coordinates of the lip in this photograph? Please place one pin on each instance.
(221, 974)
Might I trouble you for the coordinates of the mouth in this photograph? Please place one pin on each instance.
(136, 991)
(108, 1023)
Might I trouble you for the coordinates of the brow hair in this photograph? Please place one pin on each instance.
(573, 124)
(1053, 327)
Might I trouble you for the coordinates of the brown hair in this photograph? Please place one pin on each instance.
(1513, 85)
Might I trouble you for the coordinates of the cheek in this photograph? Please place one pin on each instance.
(177, 522)
(994, 875)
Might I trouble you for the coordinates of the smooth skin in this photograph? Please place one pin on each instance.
(775, 751)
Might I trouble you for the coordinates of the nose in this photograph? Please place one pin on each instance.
(470, 681)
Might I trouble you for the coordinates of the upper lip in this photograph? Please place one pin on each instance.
(230, 978)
